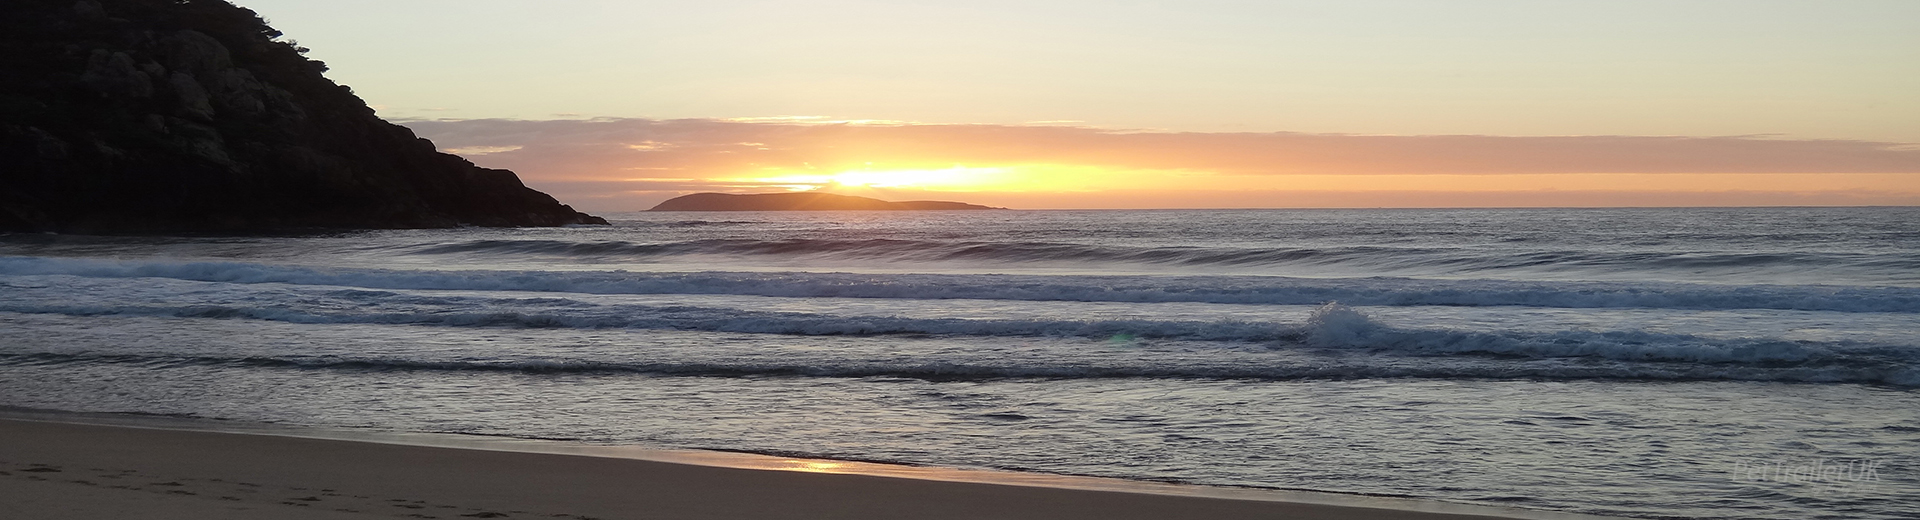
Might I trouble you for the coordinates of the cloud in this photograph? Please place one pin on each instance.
(656, 159)
(1436, 199)
(480, 150)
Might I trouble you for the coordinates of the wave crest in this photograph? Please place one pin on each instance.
(1266, 290)
(1331, 327)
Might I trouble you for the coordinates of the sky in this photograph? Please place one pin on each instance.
(616, 105)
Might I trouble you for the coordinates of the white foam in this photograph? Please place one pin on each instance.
(1333, 326)
(1231, 290)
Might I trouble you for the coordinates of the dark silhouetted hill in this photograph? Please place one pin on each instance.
(803, 201)
(132, 116)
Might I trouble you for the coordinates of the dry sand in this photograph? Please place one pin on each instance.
(51, 470)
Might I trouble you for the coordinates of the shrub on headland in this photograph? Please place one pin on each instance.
(127, 116)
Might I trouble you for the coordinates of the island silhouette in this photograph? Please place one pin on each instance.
(801, 201)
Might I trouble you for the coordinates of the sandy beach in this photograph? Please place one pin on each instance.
(52, 470)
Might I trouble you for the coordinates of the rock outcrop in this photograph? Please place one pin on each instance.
(138, 116)
(803, 201)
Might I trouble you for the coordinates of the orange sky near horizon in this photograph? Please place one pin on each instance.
(618, 105)
(632, 164)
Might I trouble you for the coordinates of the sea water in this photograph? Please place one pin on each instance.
(1658, 363)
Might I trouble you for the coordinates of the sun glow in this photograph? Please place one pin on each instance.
(1007, 178)
(957, 178)
(811, 466)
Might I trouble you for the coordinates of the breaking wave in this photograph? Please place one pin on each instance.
(1442, 258)
(1331, 328)
(1269, 290)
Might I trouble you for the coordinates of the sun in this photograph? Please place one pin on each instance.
(957, 178)
(950, 177)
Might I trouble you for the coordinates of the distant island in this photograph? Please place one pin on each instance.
(804, 201)
(163, 116)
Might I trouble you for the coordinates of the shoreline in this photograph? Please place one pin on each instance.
(518, 478)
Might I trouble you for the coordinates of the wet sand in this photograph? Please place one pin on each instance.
(51, 470)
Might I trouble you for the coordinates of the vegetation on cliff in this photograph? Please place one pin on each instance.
(129, 116)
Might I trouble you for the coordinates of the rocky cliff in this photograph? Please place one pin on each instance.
(805, 201)
(132, 116)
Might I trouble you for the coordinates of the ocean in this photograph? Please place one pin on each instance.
(1652, 363)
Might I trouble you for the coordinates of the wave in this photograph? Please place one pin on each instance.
(1364, 366)
(1332, 328)
(1454, 260)
(687, 318)
(1267, 290)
